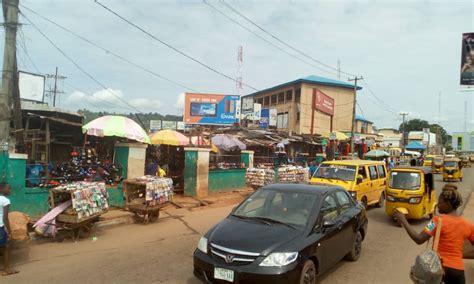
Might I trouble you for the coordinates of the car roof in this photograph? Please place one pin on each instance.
(353, 162)
(426, 170)
(319, 190)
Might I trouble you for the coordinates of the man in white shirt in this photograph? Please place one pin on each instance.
(5, 228)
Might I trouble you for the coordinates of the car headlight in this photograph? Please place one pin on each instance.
(414, 200)
(353, 194)
(279, 259)
(202, 245)
(390, 198)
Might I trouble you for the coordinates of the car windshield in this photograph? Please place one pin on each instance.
(451, 164)
(293, 208)
(341, 172)
(429, 158)
(438, 161)
(405, 180)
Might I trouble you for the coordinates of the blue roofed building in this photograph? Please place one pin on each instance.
(309, 105)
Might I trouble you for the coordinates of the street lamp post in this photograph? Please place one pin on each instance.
(403, 114)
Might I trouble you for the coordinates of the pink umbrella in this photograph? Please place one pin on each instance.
(114, 125)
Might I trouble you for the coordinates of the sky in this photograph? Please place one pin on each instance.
(408, 52)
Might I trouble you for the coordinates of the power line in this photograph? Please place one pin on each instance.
(282, 41)
(77, 65)
(262, 38)
(389, 108)
(172, 47)
(108, 51)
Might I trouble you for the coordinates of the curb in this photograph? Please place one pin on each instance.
(468, 199)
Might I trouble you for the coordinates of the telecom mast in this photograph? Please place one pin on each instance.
(240, 60)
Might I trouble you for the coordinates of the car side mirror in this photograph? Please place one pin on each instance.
(329, 223)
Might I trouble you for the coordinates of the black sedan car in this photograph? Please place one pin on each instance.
(282, 233)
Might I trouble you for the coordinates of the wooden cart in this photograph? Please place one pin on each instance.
(135, 193)
(68, 223)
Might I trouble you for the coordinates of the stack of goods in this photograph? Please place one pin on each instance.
(259, 177)
(158, 190)
(88, 198)
(293, 174)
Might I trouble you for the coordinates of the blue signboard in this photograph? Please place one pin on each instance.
(210, 109)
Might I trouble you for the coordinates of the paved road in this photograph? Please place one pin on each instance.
(162, 252)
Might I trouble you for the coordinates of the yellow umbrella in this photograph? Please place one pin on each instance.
(339, 135)
(169, 137)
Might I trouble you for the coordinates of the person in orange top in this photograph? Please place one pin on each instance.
(454, 231)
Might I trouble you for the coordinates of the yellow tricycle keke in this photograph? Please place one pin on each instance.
(437, 165)
(466, 162)
(410, 190)
(452, 170)
(428, 161)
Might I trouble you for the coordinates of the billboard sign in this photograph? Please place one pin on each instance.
(467, 59)
(323, 102)
(31, 86)
(273, 117)
(265, 118)
(155, 125)
(247, 104)
(209, 109)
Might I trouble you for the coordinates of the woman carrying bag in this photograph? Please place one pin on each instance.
(454, 231)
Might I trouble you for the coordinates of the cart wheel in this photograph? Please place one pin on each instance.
(154, 216)
(85, 232)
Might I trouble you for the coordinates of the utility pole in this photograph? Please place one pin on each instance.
(354, 112)
(403, 114)
(55, 92)
(10, 15)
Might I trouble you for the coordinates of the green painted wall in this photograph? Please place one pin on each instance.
(3, 166)
(226, 180)
(116, 197)
(121, 158)
(245, 157)
(190, 172)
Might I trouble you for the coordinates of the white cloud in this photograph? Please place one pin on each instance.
(112, 100)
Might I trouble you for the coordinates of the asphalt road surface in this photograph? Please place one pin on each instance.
(162, 252)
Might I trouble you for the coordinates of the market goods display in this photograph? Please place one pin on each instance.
(293, 174)
(158, 190)
(88, 198)
(259, 177)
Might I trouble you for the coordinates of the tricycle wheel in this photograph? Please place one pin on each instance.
(154, 216)
(381, 202)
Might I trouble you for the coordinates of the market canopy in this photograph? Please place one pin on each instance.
(114, 125)
(227, 142)
(376, 154)
(339, 135)
(415, 145)
(169, 137)
(201, 141)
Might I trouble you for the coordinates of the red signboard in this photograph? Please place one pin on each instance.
(323, 102)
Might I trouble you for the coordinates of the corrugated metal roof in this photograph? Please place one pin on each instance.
(361, 118)
(312, 79)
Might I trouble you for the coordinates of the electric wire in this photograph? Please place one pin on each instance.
(78, 66)
(107, 51)
(282, 41)
(172, 47)
(264, 39)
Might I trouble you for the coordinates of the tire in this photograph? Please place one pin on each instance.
(356, 248)
(308, 273)
(365, 202)
(381, 202)
(460, 179)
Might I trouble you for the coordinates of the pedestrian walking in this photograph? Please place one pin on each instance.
(5, 230)
(454, 231)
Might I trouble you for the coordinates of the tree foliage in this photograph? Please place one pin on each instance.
(419, 124)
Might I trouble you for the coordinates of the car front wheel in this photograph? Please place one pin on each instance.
(356, 248)
(308, 273)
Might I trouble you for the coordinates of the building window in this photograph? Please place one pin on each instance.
(289, 96)
(281, 97)
(298, 95)
(260, 101)
(273, 100)
(266, 101)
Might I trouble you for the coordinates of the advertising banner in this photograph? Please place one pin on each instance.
(273, 117)
(31, 86)
(264, 118)
(247, 104)
(467, 59)
(209, 109)
(323, 102)
(168, 125)
(155, 125)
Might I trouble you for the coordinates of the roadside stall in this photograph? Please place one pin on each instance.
(147, 195)
(229, 155)
(81, 205)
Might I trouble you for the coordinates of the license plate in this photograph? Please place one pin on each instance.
(223, 274)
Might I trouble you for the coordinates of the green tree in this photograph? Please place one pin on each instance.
(419, 124)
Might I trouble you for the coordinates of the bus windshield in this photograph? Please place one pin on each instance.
(341, 172)
(405, 180)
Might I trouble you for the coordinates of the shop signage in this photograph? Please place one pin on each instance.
(209, 109)
(156, 125)
(467, 59)
(247, 104)
(323, 102)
